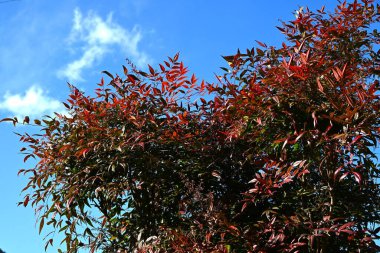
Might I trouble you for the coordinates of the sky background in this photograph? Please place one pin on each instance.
(45, 44)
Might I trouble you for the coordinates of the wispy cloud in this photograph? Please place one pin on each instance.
(100, 37)
(34, 102)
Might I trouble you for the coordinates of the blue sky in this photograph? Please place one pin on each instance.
(45, 44)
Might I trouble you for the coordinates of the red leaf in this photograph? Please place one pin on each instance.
(66, 105)
(299, 136)
(27, 157)
(26, 120)
(244, 206)
(356, 139)
(337, 74)
(208, 237)
(261, 44)
(125, 70)
(280, 140)
(193, 79)
(108, 74)
(7, 119)
(42, 222)
(314, 119)
(259, 52)
(234, 228)
(337, 172)
(132, 78)
(58, 207)
(176, 57)
(82, 152)
(63, 148)
(320, 87)
(203, 85)
(69, 201)
(151, 70)
(26, 200)
(156, 91)
(358, 177)
(343, 176)
(347, 225)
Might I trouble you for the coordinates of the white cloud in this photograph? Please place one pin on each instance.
(100, 37)
(73, 70)
(34, 102)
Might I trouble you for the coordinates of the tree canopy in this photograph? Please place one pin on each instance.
(276, 156)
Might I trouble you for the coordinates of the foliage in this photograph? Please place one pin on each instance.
(277, 156)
